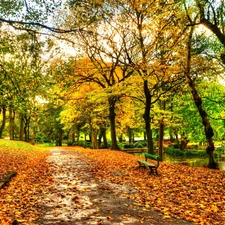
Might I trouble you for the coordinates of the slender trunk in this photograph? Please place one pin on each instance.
(35, 128)
(147, 118)
(2, 127)
(129, 134)
(102, 135)
(78, 136)
(103, 131)
(183, 142)
(73, 137)
(161, 139)
(171, 135)
(198, 102)
(145, 138)
(99, 140)
(177, 138)
(112, 119)
(27, 128)
(59, 139)
(161, 129)
(21, 127)
(11, 124)
(121, 138)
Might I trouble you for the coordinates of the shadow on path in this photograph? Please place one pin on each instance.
(76, 197)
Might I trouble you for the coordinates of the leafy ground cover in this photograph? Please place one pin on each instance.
(19, 200)
(195, 194)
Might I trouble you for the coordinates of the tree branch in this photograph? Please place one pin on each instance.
(15, 24)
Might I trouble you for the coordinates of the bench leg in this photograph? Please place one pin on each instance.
(140, 166)
(153, 170)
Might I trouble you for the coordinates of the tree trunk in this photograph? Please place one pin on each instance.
(161, 139)
(161, 129)
(11, 124)
(27, 128)
(104, 138)
(21, 127)
(112, 119)
(73, 137)
(145, 137)
(59, 138)
(183, 142)
(2, 127)
(94, 141)
(147, 118)
(177, 138)
(121, 138)
(35, 128)
(198, 102)
(102, 135)
(129, 131)
(171, 135)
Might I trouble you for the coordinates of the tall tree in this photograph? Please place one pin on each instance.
(198, 102)
(151, 57)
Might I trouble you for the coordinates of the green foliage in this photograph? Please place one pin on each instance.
(128, 146)
(137, 144)
(70, 143)
(219, 150)
(177, 152)
(140, 144)
(86, 144)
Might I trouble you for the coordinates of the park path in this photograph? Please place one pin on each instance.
(76, 197)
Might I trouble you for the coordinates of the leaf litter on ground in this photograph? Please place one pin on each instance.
(194, 194)
(19, 200)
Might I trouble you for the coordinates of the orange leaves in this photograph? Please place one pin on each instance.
(19, 200)
(194, 194)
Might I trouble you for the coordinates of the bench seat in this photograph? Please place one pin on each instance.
(146, 163)
(151, 166)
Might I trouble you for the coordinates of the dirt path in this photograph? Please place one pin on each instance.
(76, 197)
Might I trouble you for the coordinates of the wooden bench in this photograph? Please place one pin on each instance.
(151, 166)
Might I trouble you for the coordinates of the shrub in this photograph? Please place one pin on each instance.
(216, 154)
(177, 152)
(128, 146)
(140, 144)
(172, 151)
(70, 143)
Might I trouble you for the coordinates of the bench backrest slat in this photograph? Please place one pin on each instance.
(154, 157)
(148, 155)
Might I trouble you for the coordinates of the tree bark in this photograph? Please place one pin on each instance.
(161, 129)
(11, 123)
(147, 118)
(35, 128)
(27, 128)
(2, 127)
(94, 141)
(104, 138)
(102, 135)
(59, 139)
(21, 127)
(112, 119)
(129, 131)
(198, 102)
